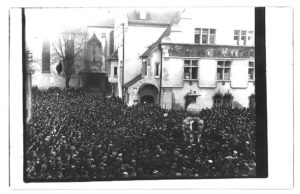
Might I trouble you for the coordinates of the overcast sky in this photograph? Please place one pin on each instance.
(48, 23)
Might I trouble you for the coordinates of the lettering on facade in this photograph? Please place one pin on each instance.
(211, 51)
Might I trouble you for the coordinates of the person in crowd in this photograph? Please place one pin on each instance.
(75, 136)
(192, 128)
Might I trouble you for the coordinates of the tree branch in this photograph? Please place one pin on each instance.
(61, 49)
(56, 51)
(79, 49)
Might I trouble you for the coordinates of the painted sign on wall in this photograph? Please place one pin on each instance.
(215, 51)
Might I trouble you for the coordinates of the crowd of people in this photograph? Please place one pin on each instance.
(75, 136)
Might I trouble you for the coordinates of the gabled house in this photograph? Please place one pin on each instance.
(193, 60)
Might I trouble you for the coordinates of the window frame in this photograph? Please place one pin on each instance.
(223, 67)
(157, 65)
(240, 35)
(190, 67)
(252, 102)
(244, 36)
(217, 103)
(115, 71)
(94, 53)
(197, 34)
(142, 13)
(208, 34)
(205, 32)
(251, 68)
(227, 102)
(212, 35)
(145, 67)
(251, 36)
(222, 101)
(236, 36)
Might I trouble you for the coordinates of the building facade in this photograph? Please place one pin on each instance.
(168, 57)
(134, 32)
(92, 67)
(210, 63)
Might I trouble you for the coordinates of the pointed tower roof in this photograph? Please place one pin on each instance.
(94, 39)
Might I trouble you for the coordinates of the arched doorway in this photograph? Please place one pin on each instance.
(147, 99)
(148, 93)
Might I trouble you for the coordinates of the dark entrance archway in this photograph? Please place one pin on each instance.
(92, 81)
(147, 99)
(148, 93)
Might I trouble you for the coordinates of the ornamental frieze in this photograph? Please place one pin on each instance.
(214, 51)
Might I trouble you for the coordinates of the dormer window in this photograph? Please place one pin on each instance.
(143, 15)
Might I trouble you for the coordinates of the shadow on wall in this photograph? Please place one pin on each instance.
(236, 104)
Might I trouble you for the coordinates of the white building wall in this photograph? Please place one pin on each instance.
(207, 73)
(155, 58)
(207, 85)
(224, 20)
(52, 79)
(150, 78)
(172, 72)
(239, 74)
(112, 78)
(205, 100)
(137, 41)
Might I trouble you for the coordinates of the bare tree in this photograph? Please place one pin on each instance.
(69, 50)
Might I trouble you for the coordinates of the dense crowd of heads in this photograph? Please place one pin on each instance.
(78, 136)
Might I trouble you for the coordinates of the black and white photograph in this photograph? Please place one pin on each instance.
(128, 94)
(160, 93)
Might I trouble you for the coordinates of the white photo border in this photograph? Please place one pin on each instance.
(280, 68)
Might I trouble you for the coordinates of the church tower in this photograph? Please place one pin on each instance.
(93, 75)
(95, 54)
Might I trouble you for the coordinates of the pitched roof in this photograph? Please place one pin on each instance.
(133, 81)
(154, 16)
(94, 39)
(167, 32)
(114, 56)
